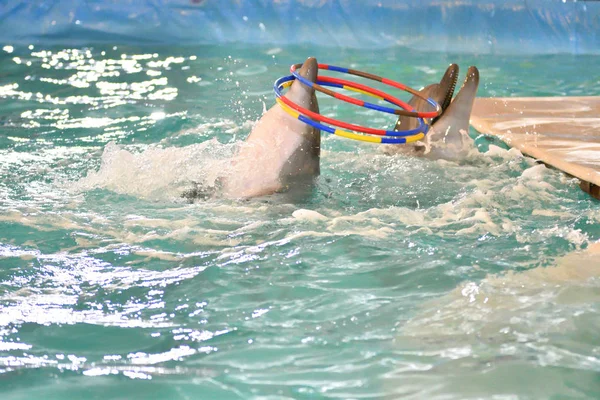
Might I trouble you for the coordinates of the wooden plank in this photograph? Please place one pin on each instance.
(563, 132)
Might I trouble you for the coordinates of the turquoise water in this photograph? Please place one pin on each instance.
(416, 279)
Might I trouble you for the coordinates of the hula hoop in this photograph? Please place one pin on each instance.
(297, 112)
(288, 80)
(389, 82)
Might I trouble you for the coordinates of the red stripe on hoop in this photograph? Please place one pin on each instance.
(341, 124)
(369, 89)
(358, 102)
(393, 83)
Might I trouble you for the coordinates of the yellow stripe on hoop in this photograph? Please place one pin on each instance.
(346, 134)
(414, 138)
(356, 136)
(287, 109)
(353, 89)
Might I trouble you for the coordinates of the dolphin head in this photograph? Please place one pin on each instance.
(448, 136)
(451, 129)
(440, 92)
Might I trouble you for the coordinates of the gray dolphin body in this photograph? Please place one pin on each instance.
(448, 137)
(281, 152)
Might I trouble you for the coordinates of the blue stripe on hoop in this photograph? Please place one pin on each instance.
(422, 128)
(377, 107)
(393, 141)
(338, 69)
(314, 124)
(337, 85)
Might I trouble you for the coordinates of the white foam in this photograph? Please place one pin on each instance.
(535, 173)
(157, 173)
(308, 215)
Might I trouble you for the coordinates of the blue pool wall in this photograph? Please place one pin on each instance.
(494, 27)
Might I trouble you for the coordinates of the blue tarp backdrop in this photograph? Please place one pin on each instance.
(482, 26)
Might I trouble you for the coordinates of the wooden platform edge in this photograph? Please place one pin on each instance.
(588, 187)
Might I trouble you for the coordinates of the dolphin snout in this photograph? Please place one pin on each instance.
(448, 84)
(472, 79)
(468, 91)
(446, 88)
(310, 69)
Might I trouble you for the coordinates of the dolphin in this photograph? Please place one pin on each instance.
(281, 152)
(448, 138)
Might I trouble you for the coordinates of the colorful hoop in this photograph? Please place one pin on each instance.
(288, 80)
(297, 112)
(389, 82)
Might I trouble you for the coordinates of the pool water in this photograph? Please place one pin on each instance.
(397, 277)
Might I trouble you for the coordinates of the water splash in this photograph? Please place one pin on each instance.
(158, 173)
